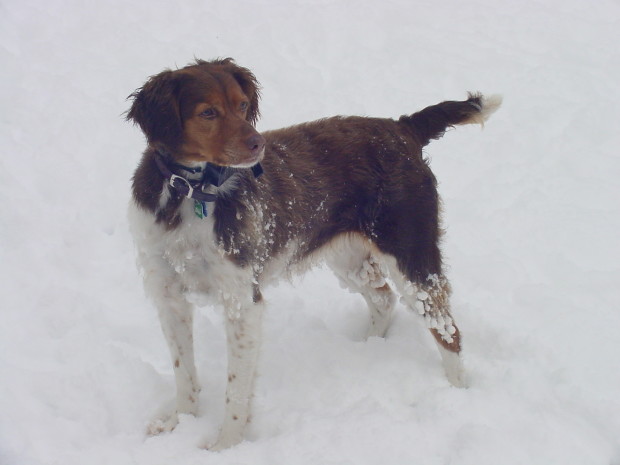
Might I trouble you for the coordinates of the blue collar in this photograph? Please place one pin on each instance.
(212, 175)
(215, 175)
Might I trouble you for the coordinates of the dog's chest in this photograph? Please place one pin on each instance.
(189, 253)
(205, 262)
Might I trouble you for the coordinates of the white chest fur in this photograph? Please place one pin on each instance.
(188, 257)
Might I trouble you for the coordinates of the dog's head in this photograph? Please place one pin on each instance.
(203, 112)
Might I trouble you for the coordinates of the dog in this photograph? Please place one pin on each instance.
(220, 210)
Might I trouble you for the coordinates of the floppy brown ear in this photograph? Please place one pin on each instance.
(155, 109)
(251, 88)
(249, 85)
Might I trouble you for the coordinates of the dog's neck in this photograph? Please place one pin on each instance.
(203, 182)
(203, 173)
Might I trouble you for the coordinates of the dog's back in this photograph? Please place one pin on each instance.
(346, 175)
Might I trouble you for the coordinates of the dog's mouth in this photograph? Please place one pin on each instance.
(228, 158)
(243, 152)
(248, 161)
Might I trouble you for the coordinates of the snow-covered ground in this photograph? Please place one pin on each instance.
(531, 209)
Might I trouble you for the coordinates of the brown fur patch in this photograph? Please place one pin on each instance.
(454, 346)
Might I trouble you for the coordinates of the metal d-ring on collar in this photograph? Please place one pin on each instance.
(182, 185)
(190, 189)
(213, 175)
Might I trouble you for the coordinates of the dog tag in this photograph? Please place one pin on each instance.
(200, 209)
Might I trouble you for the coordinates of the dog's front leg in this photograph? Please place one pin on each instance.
(243, 335)
(176, 318)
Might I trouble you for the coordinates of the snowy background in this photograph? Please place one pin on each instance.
(531, 208)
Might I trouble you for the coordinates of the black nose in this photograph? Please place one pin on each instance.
(255, 143)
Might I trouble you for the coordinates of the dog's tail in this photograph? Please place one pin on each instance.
(432, 122)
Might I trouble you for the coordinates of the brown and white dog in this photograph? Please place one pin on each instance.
(353, 191)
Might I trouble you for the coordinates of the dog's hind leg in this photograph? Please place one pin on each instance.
(430, 299)
(408, 236)
(176, 318)
(243, 336)
(359, 270)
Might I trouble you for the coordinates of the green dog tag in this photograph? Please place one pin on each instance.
(200, 209)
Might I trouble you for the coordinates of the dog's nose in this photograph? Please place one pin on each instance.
(255, 143)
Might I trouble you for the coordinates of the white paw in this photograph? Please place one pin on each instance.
(162, 425)
(457, 379)
(453, 366)
(378, 328)
(225, 442)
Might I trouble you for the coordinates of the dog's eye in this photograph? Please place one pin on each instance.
(244, 106)
(209, 113)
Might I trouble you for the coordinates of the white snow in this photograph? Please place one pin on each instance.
(532, 243)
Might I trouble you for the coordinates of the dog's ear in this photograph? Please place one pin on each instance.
(250, 87)
(155, 109)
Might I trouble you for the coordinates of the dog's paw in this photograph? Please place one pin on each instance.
(224, 441)
(162, 425)
(457, 379)
(453, 367)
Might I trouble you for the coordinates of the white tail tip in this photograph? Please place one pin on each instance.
(488, 106)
